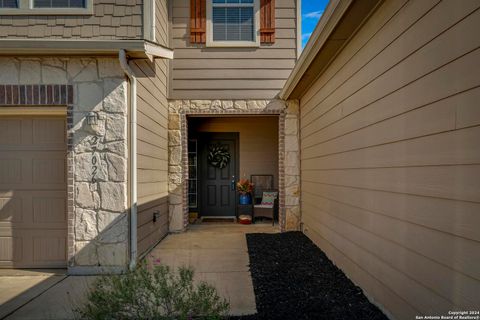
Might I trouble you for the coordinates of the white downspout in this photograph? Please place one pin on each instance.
(152, 25)
(122, 56)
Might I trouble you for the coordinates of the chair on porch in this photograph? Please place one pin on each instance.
(265, 198)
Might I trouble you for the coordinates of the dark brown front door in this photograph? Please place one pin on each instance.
(217, 183)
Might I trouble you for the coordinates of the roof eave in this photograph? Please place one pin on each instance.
(339, 22)
(135, 48)
(330, 17)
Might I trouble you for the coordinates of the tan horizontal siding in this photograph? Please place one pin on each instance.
(234, 53)
(235, 84)
(111, 19)
(232, 64)
(161, 23)
(205, 74)
(232, 73)
(390, 157)
(237, 93)
(369, 282)
(150, 233)
(152, 156)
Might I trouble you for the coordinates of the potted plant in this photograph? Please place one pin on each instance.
(244, 188)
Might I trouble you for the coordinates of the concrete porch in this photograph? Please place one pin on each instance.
(218, 253)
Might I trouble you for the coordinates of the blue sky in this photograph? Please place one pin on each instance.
(311, 12)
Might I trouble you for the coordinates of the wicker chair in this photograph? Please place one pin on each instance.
(263, 186)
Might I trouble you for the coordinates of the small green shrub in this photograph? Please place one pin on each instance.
(153, 294)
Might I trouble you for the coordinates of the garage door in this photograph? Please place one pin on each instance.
(33, 221)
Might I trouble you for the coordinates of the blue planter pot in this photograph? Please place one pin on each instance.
(245, 199)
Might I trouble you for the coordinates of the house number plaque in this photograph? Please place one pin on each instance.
(94, 144)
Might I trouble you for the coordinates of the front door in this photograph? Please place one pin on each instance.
(218, 172)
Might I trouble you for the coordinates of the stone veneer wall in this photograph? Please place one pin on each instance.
(289, 161)
(97, 154)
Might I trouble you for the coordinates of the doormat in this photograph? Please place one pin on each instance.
(218, 220)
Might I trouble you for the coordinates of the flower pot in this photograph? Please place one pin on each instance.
(245, 199)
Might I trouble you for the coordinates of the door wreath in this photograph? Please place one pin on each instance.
(218, 156)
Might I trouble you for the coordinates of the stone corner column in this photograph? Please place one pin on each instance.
(292, 166)
(99, 150)
(176, 181)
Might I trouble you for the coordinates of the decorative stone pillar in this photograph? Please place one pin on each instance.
(175, 174)
(99, 146)
(292, 166)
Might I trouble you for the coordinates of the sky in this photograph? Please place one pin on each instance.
(312, 10)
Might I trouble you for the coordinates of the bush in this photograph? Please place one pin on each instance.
(153, 294)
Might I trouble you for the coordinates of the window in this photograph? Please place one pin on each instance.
(192, 174)
(48, 7)
(59, 3)
(232, 23)
(8, 4)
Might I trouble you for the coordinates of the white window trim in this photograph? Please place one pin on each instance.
(25, 7)
(256, 34)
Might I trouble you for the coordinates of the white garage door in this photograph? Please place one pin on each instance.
(33, 221)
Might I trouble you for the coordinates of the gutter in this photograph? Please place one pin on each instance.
(137, 49)
(122, 56)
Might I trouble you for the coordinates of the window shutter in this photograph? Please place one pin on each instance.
(267, 21)
(198, 21)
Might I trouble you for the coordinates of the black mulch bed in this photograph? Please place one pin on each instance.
(294, 279)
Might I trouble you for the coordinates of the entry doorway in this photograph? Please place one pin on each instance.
(252, 144)
(218, 172)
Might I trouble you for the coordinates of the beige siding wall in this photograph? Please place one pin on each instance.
(152, 131)
(161, 22)
(232, 73)
(391, 157)
(112, 19)
(258, 141)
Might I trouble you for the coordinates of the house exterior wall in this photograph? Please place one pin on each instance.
(162, 24)
(152, 148)
(111, 19)
(97, 154)
(390, 159)
(198, 72)
(258, 141)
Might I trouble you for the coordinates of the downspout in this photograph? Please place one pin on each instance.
(152, 25)
(122, 56)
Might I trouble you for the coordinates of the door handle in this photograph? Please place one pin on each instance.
(232, 183)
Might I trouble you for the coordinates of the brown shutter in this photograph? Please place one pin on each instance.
(267, 21)
(198, 21)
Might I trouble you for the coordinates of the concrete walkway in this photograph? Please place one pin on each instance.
(41, 294)
(218, 253)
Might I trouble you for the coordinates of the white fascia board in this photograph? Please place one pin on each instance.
(330, 18)
(134, 48)
(158, 51)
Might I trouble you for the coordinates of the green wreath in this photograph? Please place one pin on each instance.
(218, 156)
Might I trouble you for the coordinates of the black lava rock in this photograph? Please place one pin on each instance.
(294, 279)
